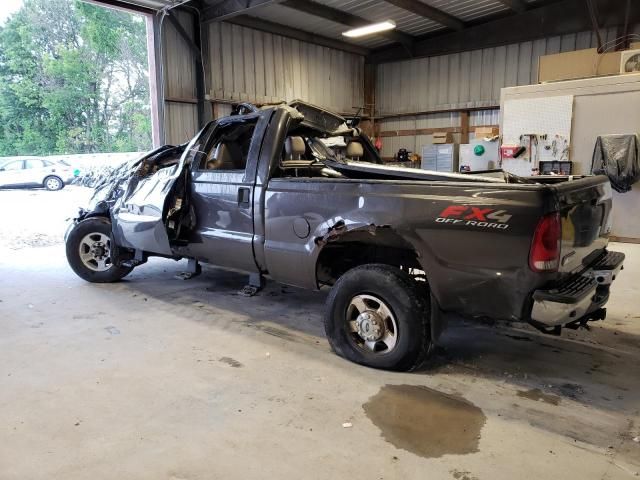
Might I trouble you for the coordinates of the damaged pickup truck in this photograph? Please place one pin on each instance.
(268, 192)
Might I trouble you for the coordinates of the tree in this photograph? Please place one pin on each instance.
(75, 85)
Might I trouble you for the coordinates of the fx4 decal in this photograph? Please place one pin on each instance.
(474, 217)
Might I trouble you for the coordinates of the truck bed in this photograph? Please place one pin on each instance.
(473, 264)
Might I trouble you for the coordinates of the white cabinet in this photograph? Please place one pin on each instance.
(488, 159)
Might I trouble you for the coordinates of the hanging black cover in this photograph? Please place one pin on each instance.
(617, 157)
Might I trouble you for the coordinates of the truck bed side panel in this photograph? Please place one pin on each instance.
(473, 239)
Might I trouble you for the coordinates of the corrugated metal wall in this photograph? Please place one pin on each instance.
(249, 65)
(181, 122)
(391, 145)
(468, 79)
(261, 67)
(484, 117)
(180, 119)
(222, 110)
(462, 80)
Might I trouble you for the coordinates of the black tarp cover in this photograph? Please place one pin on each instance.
(617, 157)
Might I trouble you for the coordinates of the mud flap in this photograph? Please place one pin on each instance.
(438, 319)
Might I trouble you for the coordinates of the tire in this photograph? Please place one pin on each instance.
(380, 289)
(91, 250)
(53, 183)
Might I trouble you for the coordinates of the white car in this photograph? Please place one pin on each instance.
(34, 172)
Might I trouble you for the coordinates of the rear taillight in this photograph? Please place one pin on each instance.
(545, 248)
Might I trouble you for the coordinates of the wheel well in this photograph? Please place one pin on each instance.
(356, 248)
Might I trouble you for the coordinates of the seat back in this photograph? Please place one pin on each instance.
(223, 158)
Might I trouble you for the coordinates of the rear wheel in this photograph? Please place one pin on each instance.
(53, 183)
(92, 253)
(376, 315)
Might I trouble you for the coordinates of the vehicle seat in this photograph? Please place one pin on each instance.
(294, 148)
(355, 151)
(223, 158)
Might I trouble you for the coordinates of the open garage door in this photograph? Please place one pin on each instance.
(77, 99)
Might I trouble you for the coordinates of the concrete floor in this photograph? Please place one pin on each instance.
(157, 378)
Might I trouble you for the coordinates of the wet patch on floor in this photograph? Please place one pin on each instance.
(232, 362)
(538, 395)
(426, 422)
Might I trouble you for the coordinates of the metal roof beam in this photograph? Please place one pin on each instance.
(228, 9)
(563, 17)
(345, 18)
(123, 5)
(518, 6)
(303, 36)
(429, 12)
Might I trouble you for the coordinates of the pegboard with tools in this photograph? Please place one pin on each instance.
(535, 130)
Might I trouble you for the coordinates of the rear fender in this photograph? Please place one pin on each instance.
(344, 246)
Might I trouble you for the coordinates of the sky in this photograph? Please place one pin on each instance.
(7, 7)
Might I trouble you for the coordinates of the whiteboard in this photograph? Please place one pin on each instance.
(550, 116)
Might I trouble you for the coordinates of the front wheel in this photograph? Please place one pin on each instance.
(376, 315)
(91, 252)
(52, 183)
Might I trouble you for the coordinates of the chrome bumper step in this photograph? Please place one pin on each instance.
(605, 269)
(579, 296)
(570, 292)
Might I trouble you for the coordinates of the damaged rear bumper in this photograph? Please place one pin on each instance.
(580, 297)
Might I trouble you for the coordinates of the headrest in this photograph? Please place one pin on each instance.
(354, 149)
(295, 146)
(223, 159)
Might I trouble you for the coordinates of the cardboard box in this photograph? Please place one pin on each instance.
(483, 132)
(442, 137)
(577, 64)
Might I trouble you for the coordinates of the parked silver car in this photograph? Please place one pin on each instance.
(34, 172)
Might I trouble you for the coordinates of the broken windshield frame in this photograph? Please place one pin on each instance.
(197, 147)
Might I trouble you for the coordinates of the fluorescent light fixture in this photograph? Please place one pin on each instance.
(369, 29)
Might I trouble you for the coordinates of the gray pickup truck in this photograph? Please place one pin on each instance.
(296, 194)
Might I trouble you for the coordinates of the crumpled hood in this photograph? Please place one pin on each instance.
(108, 185)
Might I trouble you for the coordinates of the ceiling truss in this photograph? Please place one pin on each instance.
(522, 22)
